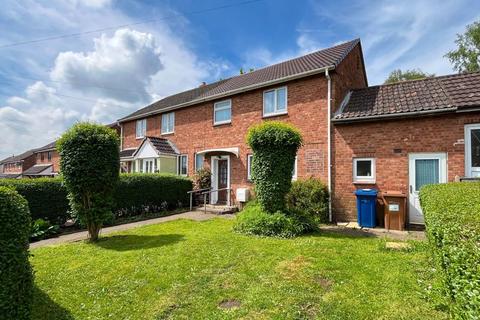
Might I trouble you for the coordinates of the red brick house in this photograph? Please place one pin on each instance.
(14, 166)
(206, 126)
(392, 137)
(47, 162)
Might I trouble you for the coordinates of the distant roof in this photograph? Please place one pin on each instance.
(302, 66)
(457, 92)
(50, 146)
(37, 169)
(20, 157)
(9, 175)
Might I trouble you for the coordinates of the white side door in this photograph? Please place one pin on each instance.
(472, 150)
(424, 168)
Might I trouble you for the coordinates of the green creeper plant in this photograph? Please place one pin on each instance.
(90, 164)
(274, 145)
(16, 280)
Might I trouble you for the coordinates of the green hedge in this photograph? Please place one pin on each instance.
(452, 219)
(144, 192)
(47, 197)
(309, 196)
(134, 194)
(16, 277)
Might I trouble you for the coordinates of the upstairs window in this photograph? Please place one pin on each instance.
(141, 129)
(275, 102)
(168, 122)
(222, 112)
(42, 156)
(49, 155)
(364, 170)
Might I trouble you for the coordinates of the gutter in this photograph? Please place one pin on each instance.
(231, 92)
(329, 138)
(394, 116)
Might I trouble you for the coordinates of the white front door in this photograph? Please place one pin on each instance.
(472, 150)
(424, 168)
(220, 179)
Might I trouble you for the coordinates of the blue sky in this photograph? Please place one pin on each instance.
(101, 76)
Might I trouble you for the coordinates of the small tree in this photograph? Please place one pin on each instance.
(16, 280)
(413, 74)
(466, 58)
(274, 145)
(90, 164)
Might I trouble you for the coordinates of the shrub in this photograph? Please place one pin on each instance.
(452, 219)
(202, 179)
(16, 280)
(310, 197)
(253, 220)
(41, 229)
(274, 145)
(138, 193)
(47, 198)
(90, 164)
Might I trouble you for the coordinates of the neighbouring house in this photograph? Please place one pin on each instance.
(206, 126)
(47, 162)
(398, 137)
(14, 166)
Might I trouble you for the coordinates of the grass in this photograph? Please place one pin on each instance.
(201, 270)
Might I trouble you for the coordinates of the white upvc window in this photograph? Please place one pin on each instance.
(199, 159)
(294, 172)
(275, 102)
(168, 122)
(249, 167)
(141, 128)
(364, 170)
(183, 165)
(222, 112)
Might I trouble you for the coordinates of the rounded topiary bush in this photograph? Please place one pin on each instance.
(275, 145)
(90, 164)
(16, 277)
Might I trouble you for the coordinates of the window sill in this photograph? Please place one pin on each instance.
(139, 138)
(222, 123)
(270, 115)
(167, 133)
(364, 182)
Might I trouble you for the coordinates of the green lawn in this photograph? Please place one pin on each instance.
(201, 270)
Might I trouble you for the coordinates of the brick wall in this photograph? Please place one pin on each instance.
(12, 167)
(55, 160)
(390, 142)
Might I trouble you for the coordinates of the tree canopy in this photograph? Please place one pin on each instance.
(466, 58)
(411, 74)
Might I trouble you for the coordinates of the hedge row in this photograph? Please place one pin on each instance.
(452, 218)
(135, 193)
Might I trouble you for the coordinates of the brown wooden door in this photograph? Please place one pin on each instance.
(222, 180)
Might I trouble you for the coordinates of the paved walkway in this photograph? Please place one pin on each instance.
(352, 228)
(83, 235)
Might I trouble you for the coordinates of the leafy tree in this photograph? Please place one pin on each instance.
(275, 145)
(90, 164)
(466, 58)
(411, 74)
(16, 277)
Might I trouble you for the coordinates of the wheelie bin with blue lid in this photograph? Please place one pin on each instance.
(366, 207)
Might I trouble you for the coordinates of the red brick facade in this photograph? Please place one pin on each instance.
(19, 166)
(390, 142)
(44, 158)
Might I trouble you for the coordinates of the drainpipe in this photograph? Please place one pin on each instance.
(329, 147)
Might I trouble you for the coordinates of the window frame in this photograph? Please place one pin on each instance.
(144, 128)
(49, 155)
(295, 169)
(215, 107)
(179, 163)
(199, 155)
(364, 179)
(249, 166)
(276, 112)
(167, 114)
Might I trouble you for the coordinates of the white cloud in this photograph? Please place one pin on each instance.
(120, 66)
